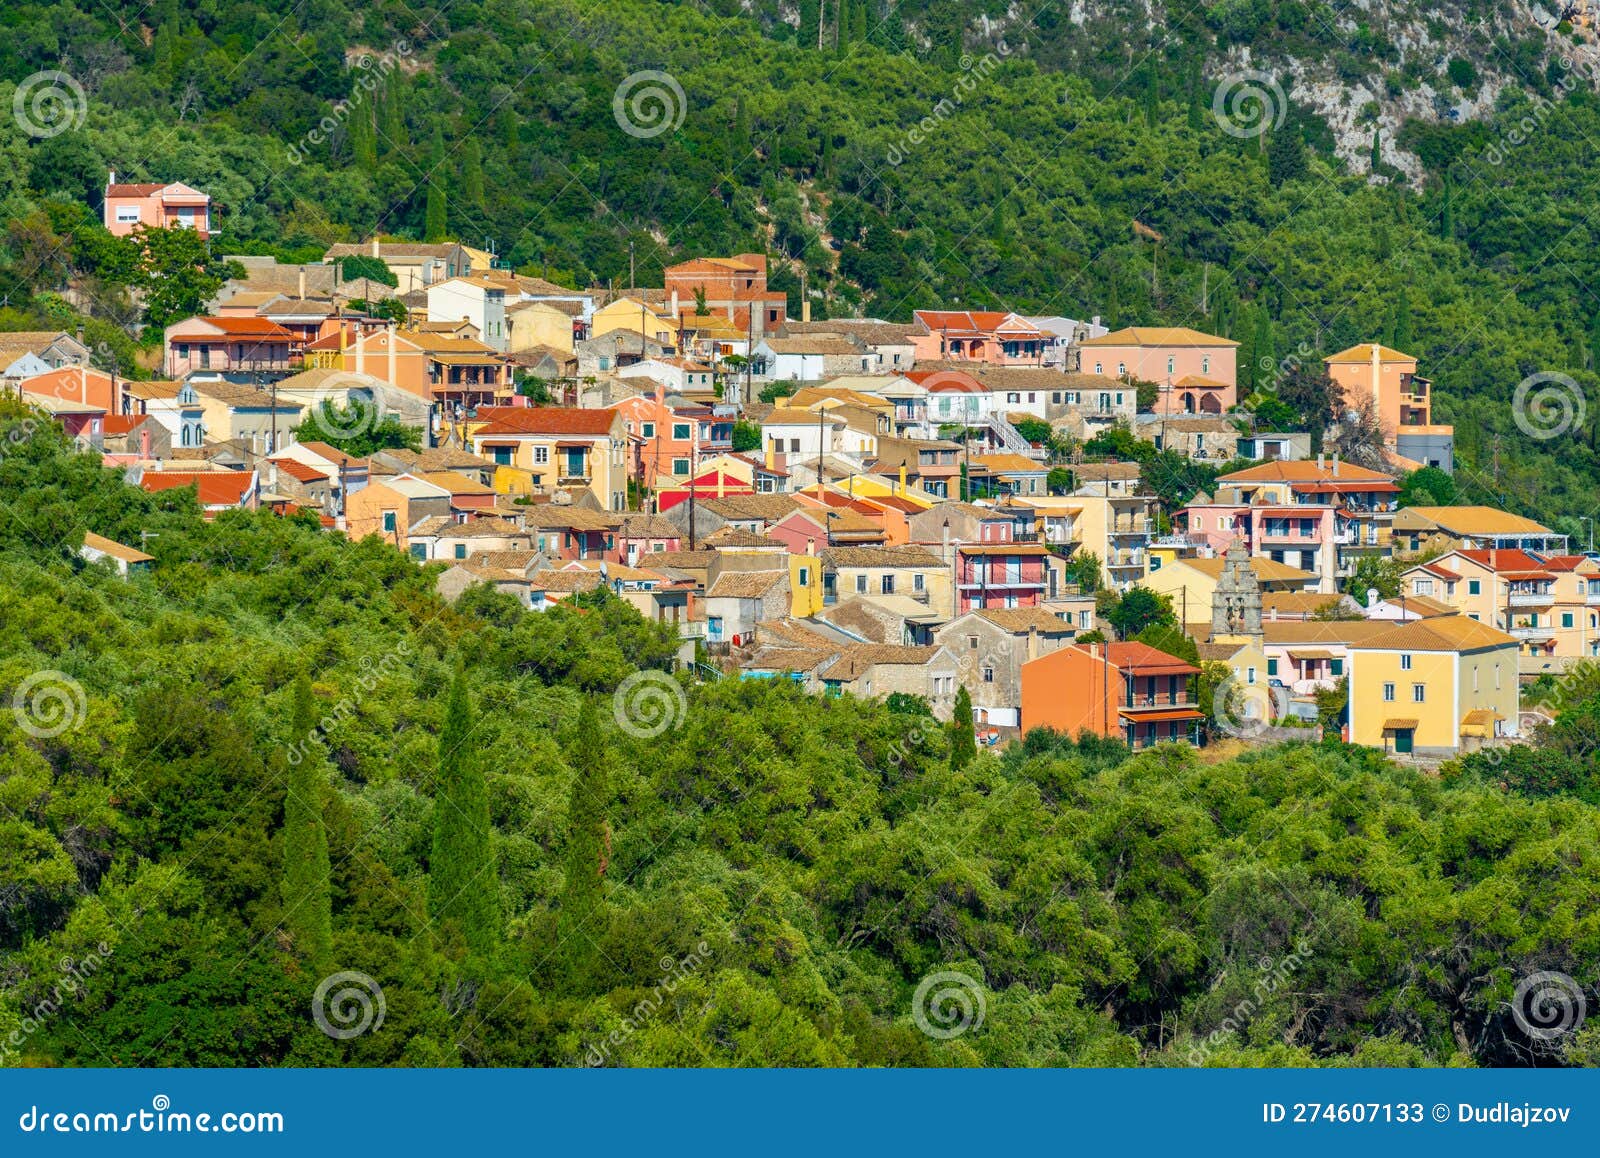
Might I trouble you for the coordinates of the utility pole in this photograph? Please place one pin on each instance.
(694, 449)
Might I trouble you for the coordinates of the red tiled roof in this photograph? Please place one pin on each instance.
(133, 190)
(118, 424)
(214, 487)
(1143, 659)
(545, 420)
(247, 327)
(299, 470)
(1503, 559)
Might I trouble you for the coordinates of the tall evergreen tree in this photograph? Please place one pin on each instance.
(1266, 355)
(307, 899)
(393, 124)
(588, 843)
(472, 173)
(1447, 212)
(363, 138)
(434, 223)
(1400, 336)
(463, 883)
(963, 743)
(1286, 156)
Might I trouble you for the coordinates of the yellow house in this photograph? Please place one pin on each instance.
(1190, 583)
(513, 480)
(1550, 603)
(538, 324)
(634, 316)
(1115, 527)
(1433, 687)
(805, 586)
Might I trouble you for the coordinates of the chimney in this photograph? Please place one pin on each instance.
(674, 307)
(394, 372)
(902, 480)
(1322, 462)
(361, 355)
(144, 440)
(302, 283)
(1335, 464)
(805, 310)
(770, 454)
(1372, 597)
(375, 252)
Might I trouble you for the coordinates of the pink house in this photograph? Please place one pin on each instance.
(992, 336)
(155, 206)
(1197, 373)
(225, 345)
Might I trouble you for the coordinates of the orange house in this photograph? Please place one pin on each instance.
(662, 445)
(733, 287)
(78, 384)
(155, 206)
(1196, 373)
(1128, 690)
(992, 336)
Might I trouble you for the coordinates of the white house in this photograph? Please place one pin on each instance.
(679, 375)
(479, 300)
(803, 433)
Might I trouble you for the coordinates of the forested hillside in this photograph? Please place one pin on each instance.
(891, 171)
(276, 803)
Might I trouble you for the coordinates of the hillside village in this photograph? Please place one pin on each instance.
(974, 501)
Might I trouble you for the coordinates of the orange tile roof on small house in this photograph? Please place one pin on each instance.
(1142, 659)
(554, 420)
(1362, 354)
(977, 323)
(115, 549)
(1306, 471)
(946, 381)
(248, 327)
(213, 488)
(1158, 336)
(299, 470)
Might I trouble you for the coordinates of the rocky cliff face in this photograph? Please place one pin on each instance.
(1358, 66)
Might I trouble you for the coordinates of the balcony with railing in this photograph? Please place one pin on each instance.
(1530, 595)
(1130, 526)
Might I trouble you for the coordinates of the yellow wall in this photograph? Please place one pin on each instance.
(1172, 579)
(540, 325)
(513, 480)
(1439, 716)
(627, 314)
(805, 601)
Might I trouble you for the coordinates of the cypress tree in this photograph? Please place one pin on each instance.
(463, 883)
(472, 173)
(1447, 215)
(1265, 354)
(434, 223)
(1400, 336)
(363, 138)
(963, 744)
(588, 843)
(307, 900)
(859, 34)
(1152, 95)
(394, 114)
(1377, 152)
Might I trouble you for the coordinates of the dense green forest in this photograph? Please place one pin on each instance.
(279, 758)
(906, 163)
